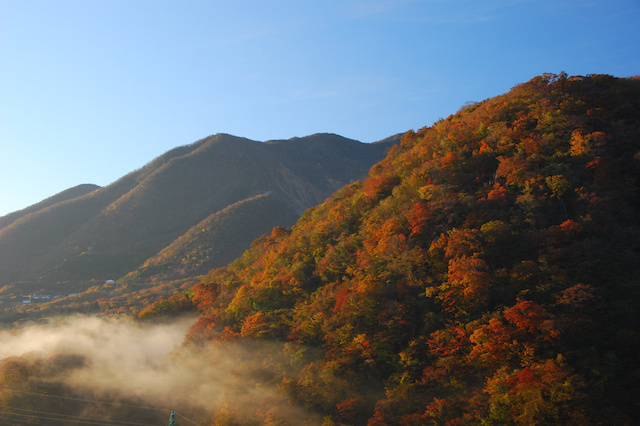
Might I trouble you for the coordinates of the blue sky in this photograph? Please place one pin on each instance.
(93, 89)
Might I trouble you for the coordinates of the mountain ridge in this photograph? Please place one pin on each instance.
(125, 223)
(65, 195)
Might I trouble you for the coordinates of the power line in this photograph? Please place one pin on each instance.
(65, 416)
(62, 418)
(189, 420)
(93, 401)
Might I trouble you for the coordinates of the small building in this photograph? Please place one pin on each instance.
(35, 296)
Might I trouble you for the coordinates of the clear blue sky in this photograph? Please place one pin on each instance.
(93, 89)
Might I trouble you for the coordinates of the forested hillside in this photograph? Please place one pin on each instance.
(486, 272)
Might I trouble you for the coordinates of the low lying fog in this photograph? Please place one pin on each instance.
(148, 362)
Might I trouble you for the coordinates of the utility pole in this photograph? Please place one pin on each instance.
(172, 419)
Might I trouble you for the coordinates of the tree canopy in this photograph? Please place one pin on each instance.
(485, 272)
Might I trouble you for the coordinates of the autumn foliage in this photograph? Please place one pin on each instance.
(486, 272)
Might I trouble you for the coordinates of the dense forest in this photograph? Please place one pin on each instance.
(487, 271)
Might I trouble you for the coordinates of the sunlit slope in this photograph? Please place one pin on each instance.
(486, 272)
(112, 230)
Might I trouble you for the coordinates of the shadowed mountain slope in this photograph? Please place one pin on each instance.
(65, 195)
(215, 241)
(110, 231)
